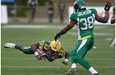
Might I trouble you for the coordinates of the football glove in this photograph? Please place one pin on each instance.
(65, 62)
(107, 6)
(56, 37)
(39, 57)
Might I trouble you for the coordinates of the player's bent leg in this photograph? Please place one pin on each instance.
(28, 50)
(71, 71)
(87, 66)
(72, 56)
(9, 45)
(84, 63)
(19, 47)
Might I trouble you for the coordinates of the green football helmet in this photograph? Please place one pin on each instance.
(79, 4)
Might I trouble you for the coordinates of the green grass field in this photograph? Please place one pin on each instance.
(14, 62)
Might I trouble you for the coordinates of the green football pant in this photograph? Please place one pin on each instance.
(26, 50)
(78, 53)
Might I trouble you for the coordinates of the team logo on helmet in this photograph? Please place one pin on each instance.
(56, 45)
(79, 4)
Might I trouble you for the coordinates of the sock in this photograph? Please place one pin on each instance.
(74, 65)
(92, 70)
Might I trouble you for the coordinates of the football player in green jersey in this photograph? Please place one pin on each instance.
(49, 50)
(84, 19)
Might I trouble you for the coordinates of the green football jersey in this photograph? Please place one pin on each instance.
(44, 45)
(85, 22)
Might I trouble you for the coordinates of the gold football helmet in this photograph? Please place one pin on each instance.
(56, 45)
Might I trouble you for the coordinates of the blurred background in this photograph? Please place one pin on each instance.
(43, 10)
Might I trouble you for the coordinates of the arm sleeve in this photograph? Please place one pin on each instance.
(73, 17)
(94, 11)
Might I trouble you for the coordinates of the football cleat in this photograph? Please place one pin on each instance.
(112, 43)
(96, 74)
(65, 63)
(9, 45)
(70, 71)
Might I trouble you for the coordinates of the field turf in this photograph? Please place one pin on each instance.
(14, 62)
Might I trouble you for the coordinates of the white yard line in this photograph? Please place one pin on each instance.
(101, 34)
(51, 27)
(49, 66)
(43, 26)
(33, 26)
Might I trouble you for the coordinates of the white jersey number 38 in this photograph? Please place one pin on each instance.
(87, 22)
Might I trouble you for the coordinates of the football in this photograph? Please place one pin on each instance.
(39, 52)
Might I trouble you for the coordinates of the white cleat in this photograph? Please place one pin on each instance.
(9, 45)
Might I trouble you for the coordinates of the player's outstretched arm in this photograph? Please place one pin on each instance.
(106, 17)
(65, 29)
(66, 55)
(66, 58)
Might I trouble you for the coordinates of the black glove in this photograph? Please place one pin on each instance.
(107, 6)
(56, 37)
(39, 57)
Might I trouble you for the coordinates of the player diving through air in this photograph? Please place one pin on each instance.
(84, 20)
(49, 50)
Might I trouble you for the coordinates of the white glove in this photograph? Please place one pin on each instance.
(65, 62)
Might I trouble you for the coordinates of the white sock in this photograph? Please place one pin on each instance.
(92, 70)
(74, 65)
